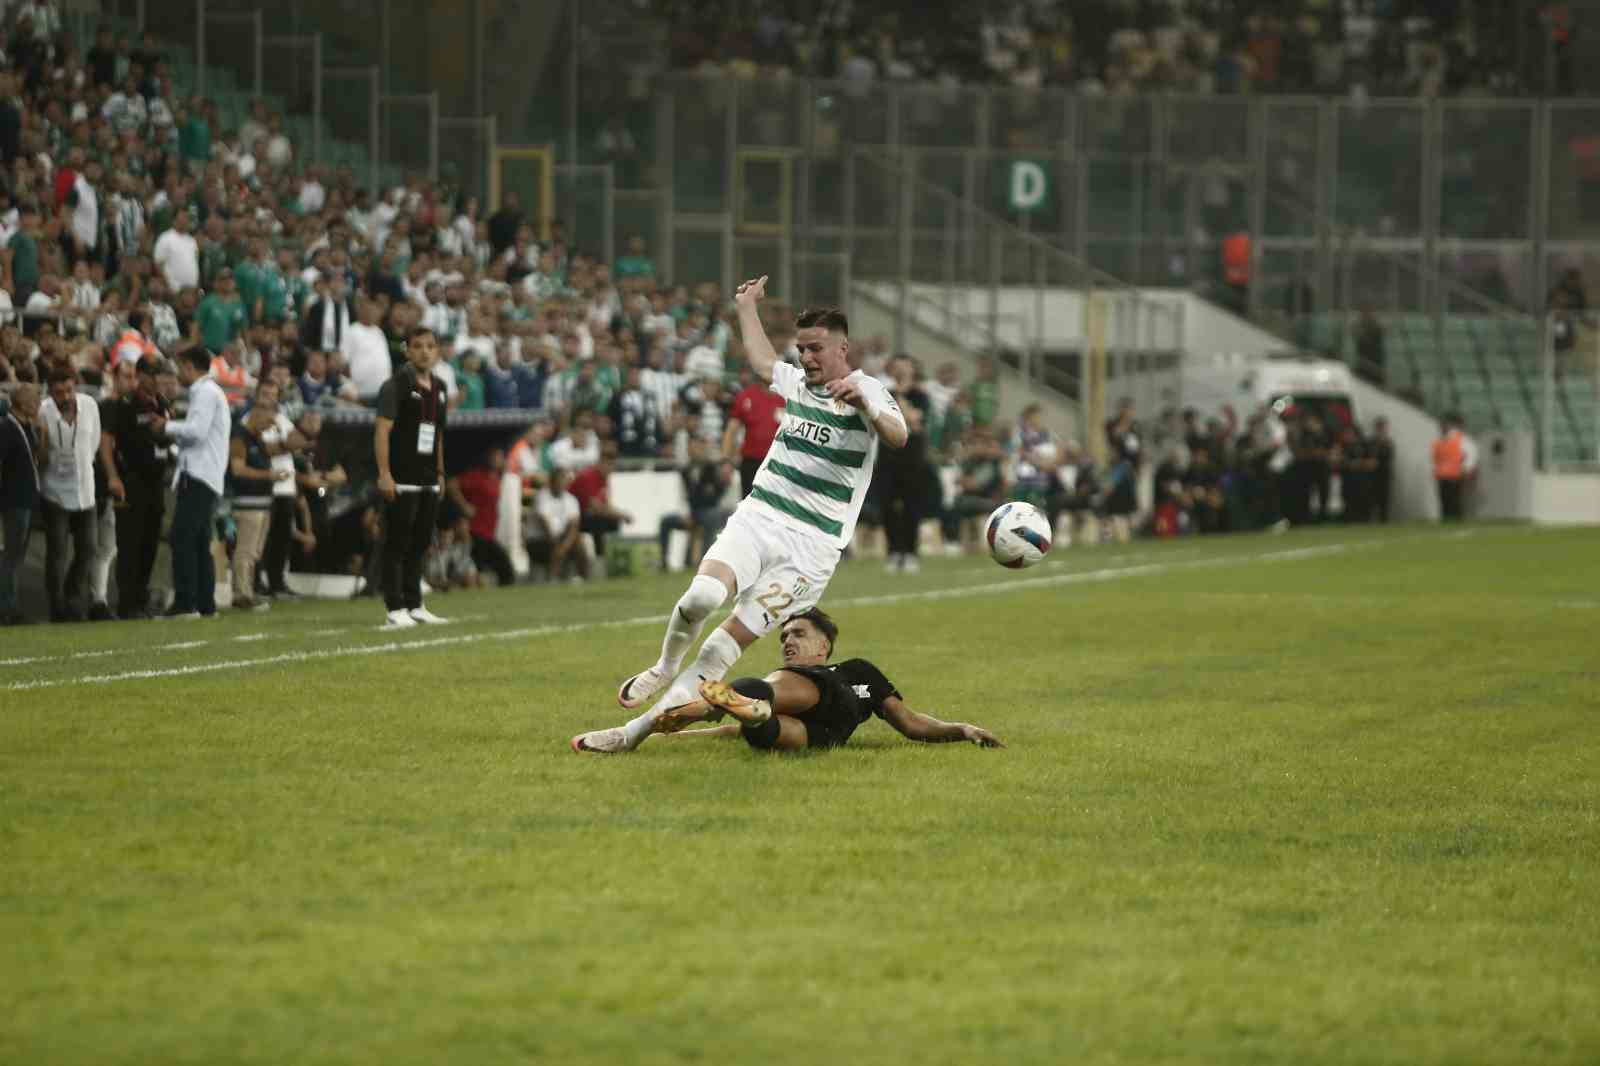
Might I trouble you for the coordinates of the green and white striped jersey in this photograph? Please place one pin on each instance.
(817, 472)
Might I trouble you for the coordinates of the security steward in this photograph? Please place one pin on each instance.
(409, 442)
(139, 458)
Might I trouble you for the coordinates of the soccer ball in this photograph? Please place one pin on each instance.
(1019, 535)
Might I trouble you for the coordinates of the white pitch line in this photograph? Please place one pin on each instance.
(247, 638)
(1082, 577)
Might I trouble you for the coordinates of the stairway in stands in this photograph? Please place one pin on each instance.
(1485, 366)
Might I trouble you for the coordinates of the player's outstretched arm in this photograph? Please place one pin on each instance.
(757, 348)
(923, 727)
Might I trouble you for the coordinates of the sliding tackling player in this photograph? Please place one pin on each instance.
(808, 703)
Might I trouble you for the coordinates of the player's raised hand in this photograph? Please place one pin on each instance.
(980, 736)
(751, 291)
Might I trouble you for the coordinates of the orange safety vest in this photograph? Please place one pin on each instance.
(1448, 457)
(1236, 259)
(235, 381)
(131, 336)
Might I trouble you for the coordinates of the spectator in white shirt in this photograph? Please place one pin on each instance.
(662, 380)
(202, 439)
(43, 17)
(46, 300)
(82, 209)
(703, 362)
(555, 528)
(177, 254)
(580, 448)
(366, 352)
(478, 338)
(84, 297)
(71, 446)
(312, 193)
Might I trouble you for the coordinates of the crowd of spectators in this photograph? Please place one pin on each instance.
(135, 227)
(1175, 475)
(1373, 47)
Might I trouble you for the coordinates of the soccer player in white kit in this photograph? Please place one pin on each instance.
(777, 553)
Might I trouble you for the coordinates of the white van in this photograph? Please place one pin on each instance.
(1316, 386)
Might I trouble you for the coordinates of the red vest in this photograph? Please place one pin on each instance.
(1236, 259)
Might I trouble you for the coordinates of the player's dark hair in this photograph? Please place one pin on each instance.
(417, 332)
(829, 318)
(825, 625)
(196, 356)
(60, 374)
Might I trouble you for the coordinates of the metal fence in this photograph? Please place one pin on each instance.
(1398, 206)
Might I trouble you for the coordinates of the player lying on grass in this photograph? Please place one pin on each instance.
(807, 703)
(778, 552)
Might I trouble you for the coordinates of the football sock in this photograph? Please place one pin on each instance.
(704, 595)
(717, 656)
(763, 736)
(755, 688)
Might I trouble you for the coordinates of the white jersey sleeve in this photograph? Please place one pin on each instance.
(877, 396)
(788, 381)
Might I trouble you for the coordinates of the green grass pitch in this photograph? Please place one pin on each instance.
(1332, 797)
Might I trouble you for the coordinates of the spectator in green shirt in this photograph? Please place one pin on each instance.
(213, 251)
(24, 248)
(469, 379)
(636, 270)
(221, 314)
(251, 277)
(194, 132)
(273, 290)
(985, 392)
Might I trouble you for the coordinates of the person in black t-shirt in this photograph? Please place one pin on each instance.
(1381, 448)
(904, 474)
(139, 459)
(409, 441)
(809, 703)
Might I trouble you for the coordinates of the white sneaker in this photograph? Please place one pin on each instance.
(909, 564)
(422, 614)
(638, 689)
(400, 619)
(601, 742)
(893, 564)
(953, 551)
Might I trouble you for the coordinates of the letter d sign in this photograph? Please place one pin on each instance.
(1029, 185)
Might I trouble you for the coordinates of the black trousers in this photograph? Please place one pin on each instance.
(708, 522)
(490, 555)
(275, 560)
(408, 522)
(138, 538)
(597, 526)
(1450, 499)
(747, 475)
(904, 499)
(64, 581)
(1382, 484)
(14, 529)
(194, 582)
